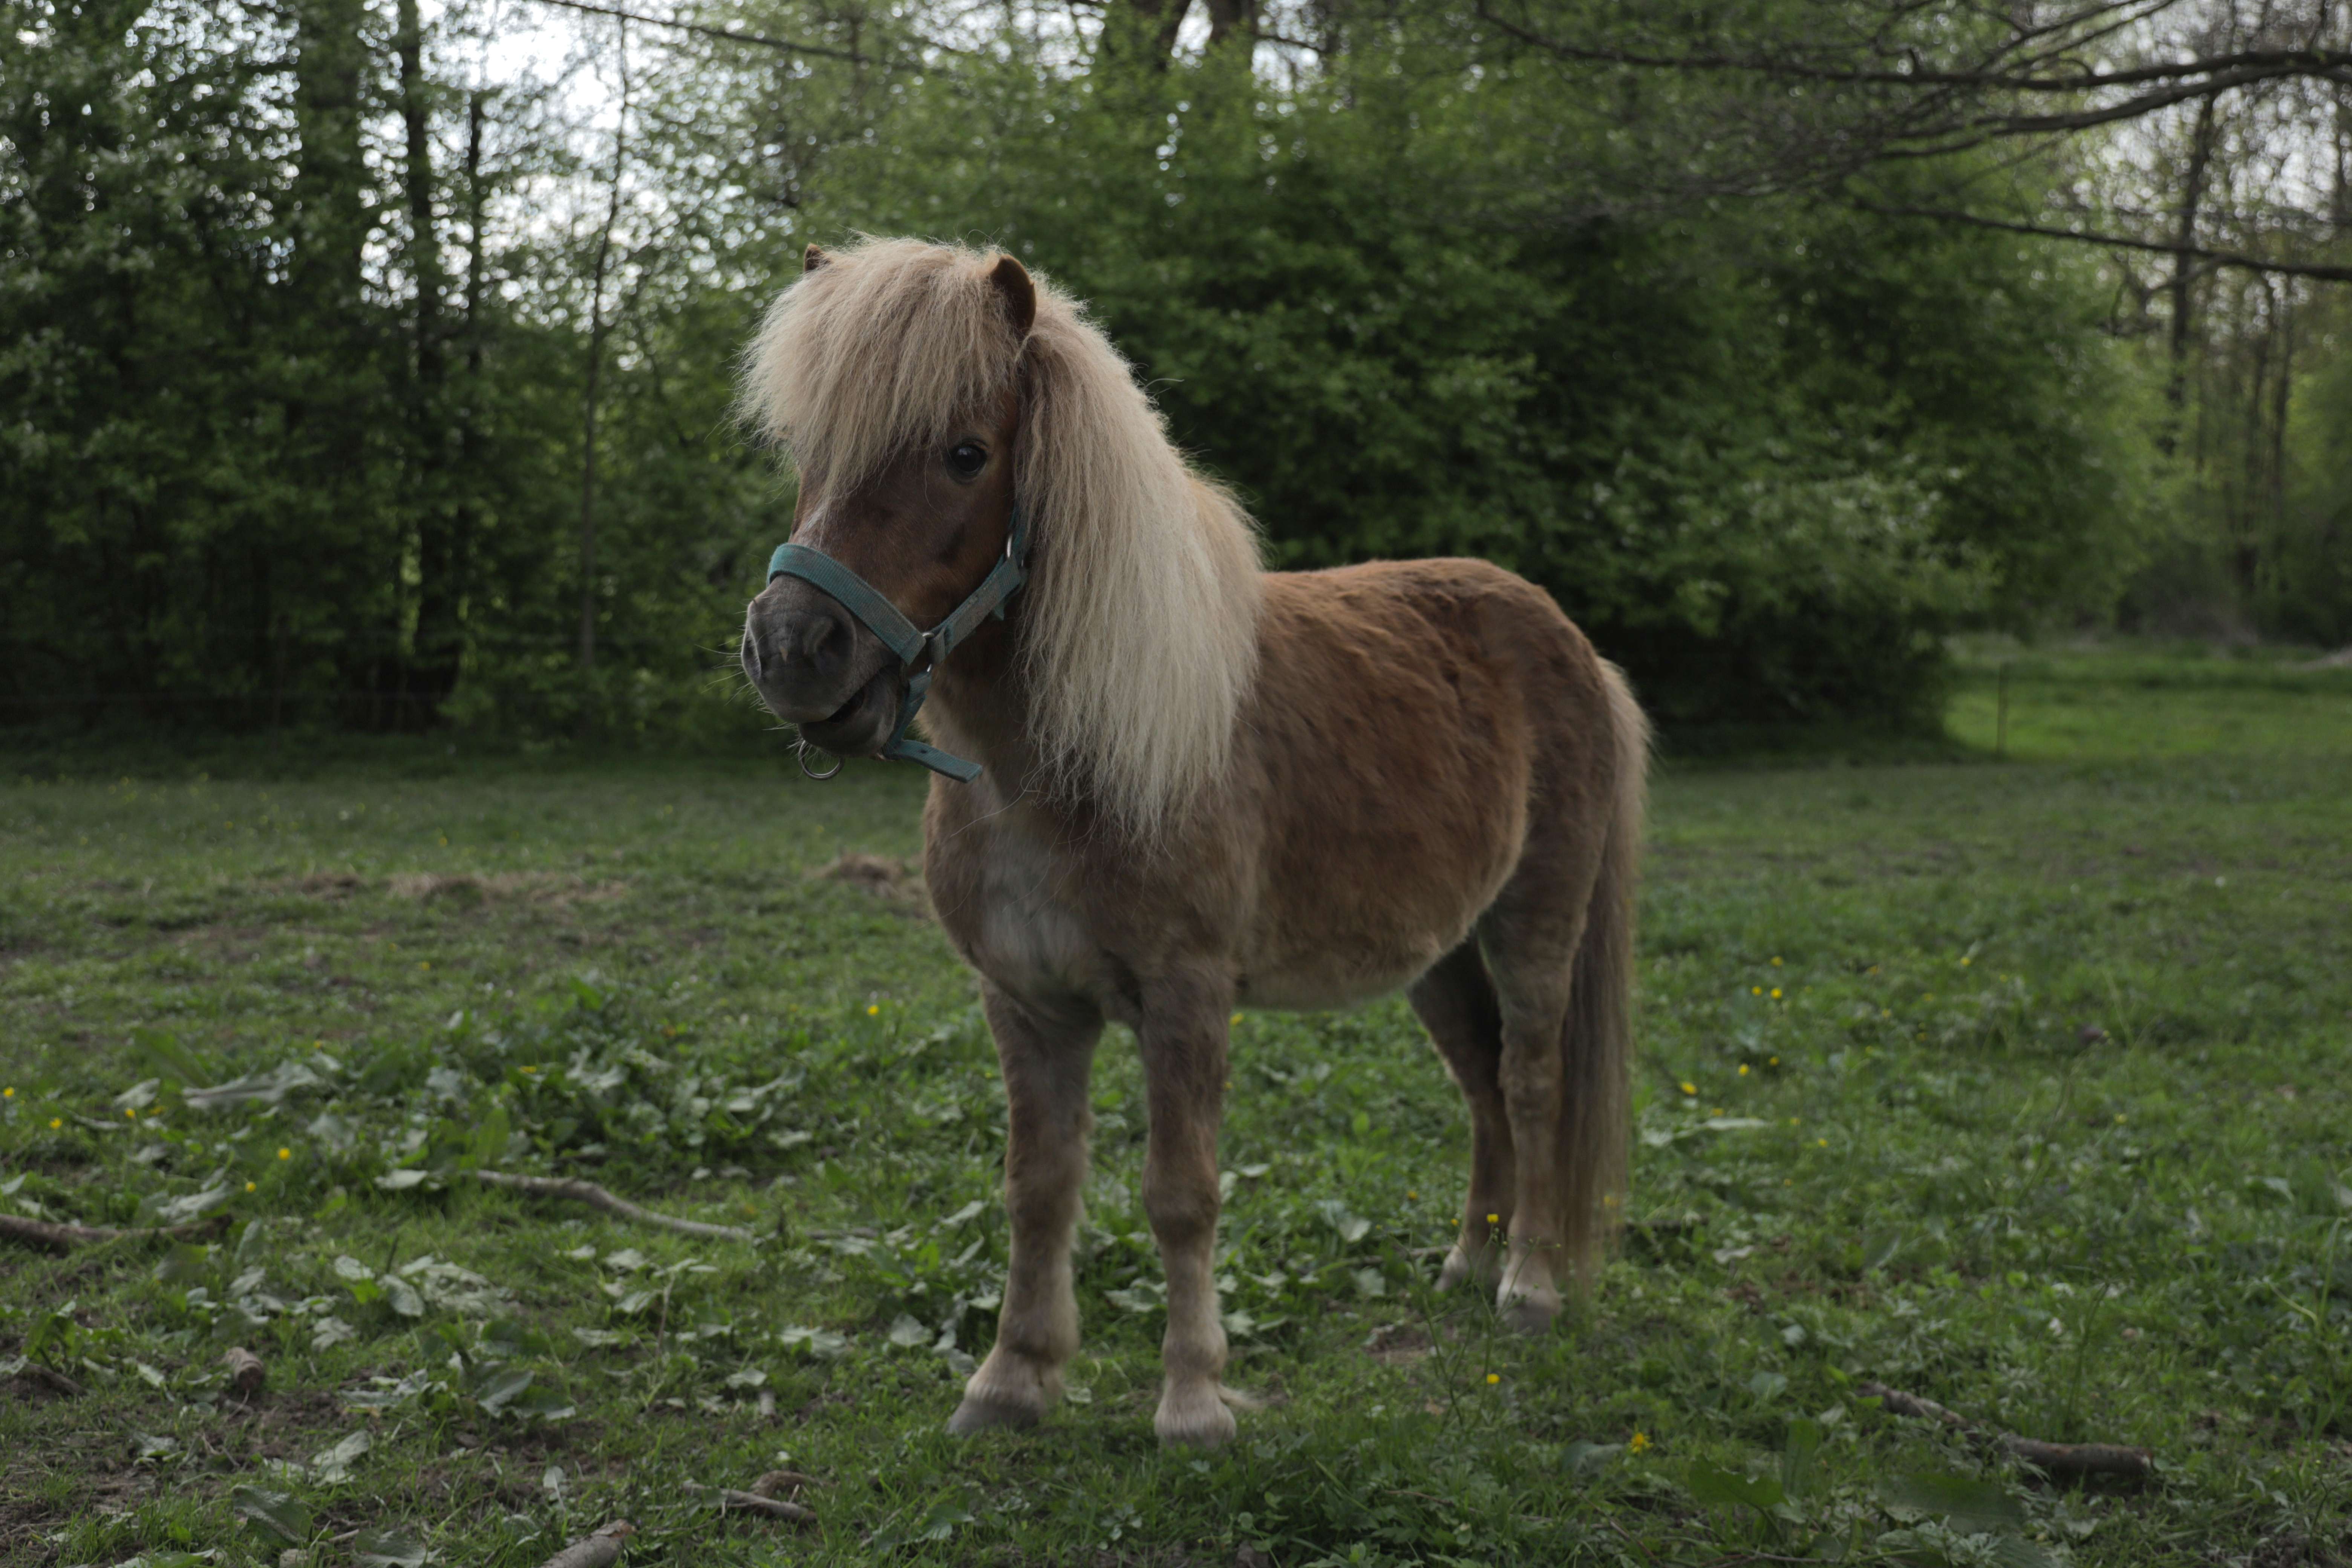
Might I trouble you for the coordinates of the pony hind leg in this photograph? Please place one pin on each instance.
(1530, 937)
(1455, 1002)
(1046, 1062)
(1559, 943)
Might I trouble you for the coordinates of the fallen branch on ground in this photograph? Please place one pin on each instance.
(601, 1550)
(50, 1378)
(246, 1373)
(761, 1499)
(772, 1507)
(594, 1196)
(65, 1237)
(2072, 1460)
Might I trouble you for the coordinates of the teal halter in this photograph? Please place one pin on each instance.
(920, 652)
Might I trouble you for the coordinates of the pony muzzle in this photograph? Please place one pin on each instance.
(815, 665)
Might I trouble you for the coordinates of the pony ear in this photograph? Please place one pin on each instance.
(1011, 281)
(811, 258)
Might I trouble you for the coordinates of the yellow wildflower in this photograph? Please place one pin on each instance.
(1690, 1089)
(1776, 994)
(1639, 1442)
(286, 1153)
(1493, 1377)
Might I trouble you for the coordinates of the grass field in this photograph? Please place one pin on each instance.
(2017, 1085)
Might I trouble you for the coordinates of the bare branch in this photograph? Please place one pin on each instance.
(732, 34)
(2321, 270)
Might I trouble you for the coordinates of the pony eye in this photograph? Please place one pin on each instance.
(966, 459)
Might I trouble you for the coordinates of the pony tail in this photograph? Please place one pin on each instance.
(1596, 1042)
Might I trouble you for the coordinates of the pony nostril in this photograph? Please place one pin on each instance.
(823, 641)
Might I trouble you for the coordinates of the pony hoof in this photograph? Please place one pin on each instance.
(1199, 1419)
(1460, 1269)
(977, 1414)
(1530, 1312)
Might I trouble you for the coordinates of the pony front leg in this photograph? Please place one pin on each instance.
(1045, 1061)
(1183, 1036)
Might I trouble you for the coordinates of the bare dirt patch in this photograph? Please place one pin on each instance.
(540, 888)
(895, 882)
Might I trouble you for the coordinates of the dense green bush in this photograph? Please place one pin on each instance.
(1766, 460)
(1767, 453)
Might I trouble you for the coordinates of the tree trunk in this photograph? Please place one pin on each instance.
(466, 509)
(331, 386)
(1151, 24)
(2184, 273)
(432, 654)
(596, 330)
(1232, 18)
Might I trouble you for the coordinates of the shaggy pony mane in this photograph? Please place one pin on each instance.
(1139, 625)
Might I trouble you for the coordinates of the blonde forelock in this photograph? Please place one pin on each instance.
(1139, 623)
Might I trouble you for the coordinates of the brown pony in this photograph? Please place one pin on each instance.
(1205, 785)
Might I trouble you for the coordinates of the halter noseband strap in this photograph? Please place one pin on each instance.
(920, 652)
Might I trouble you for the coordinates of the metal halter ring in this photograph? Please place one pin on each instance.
(802, 750)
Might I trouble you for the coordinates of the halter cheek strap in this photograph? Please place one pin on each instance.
(920, 652)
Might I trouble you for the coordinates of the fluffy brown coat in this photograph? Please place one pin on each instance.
(1424, 777)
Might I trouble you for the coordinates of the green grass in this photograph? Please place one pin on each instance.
(2047, 1121)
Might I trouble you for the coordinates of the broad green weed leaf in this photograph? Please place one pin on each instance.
(1879, 1251)
(1978, 1507)
(163, 1050)
(185, 1264)
(1798, 1456)
(938, 1522)
(504, 1389)
(389, 1549)
(489, 1144)
(1714, 1484)
(335, 1464)
(1584, 1460)
(2016, 1551)
(163, 1209)
(280, 1514)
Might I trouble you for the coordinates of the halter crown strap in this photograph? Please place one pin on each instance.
(920, 652)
